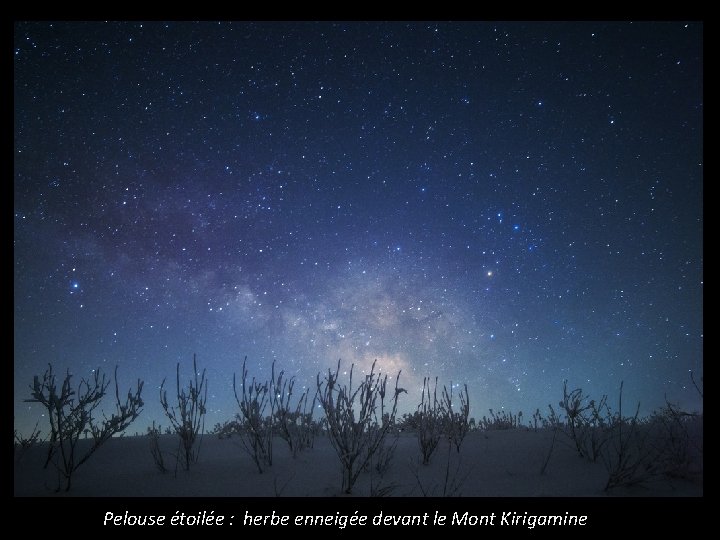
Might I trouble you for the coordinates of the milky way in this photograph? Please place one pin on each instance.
(502, 205)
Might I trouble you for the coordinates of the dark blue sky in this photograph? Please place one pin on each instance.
(506, 205)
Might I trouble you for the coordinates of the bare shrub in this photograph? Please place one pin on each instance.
(70, 413)
(633, 450)
(308, 427)
(589, 422)
(188, 417)
(537, 420)
(255, 427)
(456, 422)
(409, 422)
(293, 424)
(576, 406)
(265, 410)
(679, 453)
(228, 428)
(157, 455)
(628, 458)
(357, 419)
(501, 420)
(428, 420)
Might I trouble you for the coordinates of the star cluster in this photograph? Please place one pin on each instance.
(502, 205)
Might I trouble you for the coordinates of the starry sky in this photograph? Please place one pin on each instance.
(499, 204)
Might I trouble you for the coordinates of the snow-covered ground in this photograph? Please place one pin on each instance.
(495, 463)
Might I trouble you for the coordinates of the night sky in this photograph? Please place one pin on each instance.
(506, 205)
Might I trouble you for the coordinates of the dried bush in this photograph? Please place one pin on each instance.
(589, 422)
(676, 438)
(157, 455)
(294, 425)
(456, 423)
(266, 410)
(228, 428)
(435, 418)
(633, 450)
(500, 420)
(409, 422)
(188, 417)
(576, 406)
(70, 413)
(357, 419)
(428, 420)
(256, 429)
(537, 420)
(628, 458)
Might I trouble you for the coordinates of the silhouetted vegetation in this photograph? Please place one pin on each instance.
(71, 414)
(187, 418)
(357, 419)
